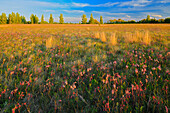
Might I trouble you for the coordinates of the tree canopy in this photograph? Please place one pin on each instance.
(16, 18)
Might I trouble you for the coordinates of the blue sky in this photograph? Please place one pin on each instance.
(74, 9)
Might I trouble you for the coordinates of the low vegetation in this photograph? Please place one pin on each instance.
(84, 68)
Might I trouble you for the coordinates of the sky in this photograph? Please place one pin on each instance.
(72, 10)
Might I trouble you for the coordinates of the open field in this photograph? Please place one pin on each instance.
(84, 68)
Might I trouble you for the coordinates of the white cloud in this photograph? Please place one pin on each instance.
(128, 16)
(48, 4)
(164, 1)
(74, 11)
(109, 4)
(80, 4)
(157, 16)
(136, 3)
(107, 13)
(49, 10)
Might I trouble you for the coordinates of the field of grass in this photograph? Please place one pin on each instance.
(84, 68)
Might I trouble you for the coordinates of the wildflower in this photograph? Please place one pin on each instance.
(146, 80)
(166, 109)
(159, 67)
(127, 66)
(66, 82)
(47, 66)
(12, 72)
(13, 110)
(114, 62)
(136, 71)
(127, 92)
(113, 92)
(107, 105)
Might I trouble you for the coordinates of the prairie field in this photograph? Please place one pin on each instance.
(84, 68)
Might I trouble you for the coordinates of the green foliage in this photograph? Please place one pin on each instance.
(91, 21)
(42, 19)
(61, 19)
(81, 73)
(84, 19)
(167, 20)
(23, 20)
(161, 20)
(18, 18)
(34, 19)
(3, 19)
(10, 19)
(13, 18)
(96, 21)
(51, 19)
(101, 20)
(148, 18)
(0, 19)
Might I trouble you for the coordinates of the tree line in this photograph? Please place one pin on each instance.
(147, 20)
(16, 18)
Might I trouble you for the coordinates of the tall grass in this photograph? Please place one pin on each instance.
(103, 37)
(113, 39)
(146, 38)
(97, 35)
(51, 42)
(137, 37)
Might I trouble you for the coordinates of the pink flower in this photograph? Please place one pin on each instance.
(159, 67)
(166, 109)
(13, 110)
(113, 91)
(47, 66)
(136, 70)
(114, 62)
(12, 72)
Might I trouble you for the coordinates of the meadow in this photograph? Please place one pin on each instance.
(84, 68)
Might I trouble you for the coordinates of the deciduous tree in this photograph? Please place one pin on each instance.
(42, 19)
(84, 19)
(36, 19)
(101, 20)
(51, 19)
(3, 18)
(10, 19)
(23, 20)
(91, 21)
(148, 19)
(32, 18)
(18, 18)
(61, 21)
(167, 20)
(13, 18)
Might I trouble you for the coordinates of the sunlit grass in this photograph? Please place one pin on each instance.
(84, 68)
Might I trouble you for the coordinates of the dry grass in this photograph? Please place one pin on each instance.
(146, 38)
(113, 39)
(51, 42)
(103, 37)
(137, 37)
(97, 35)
